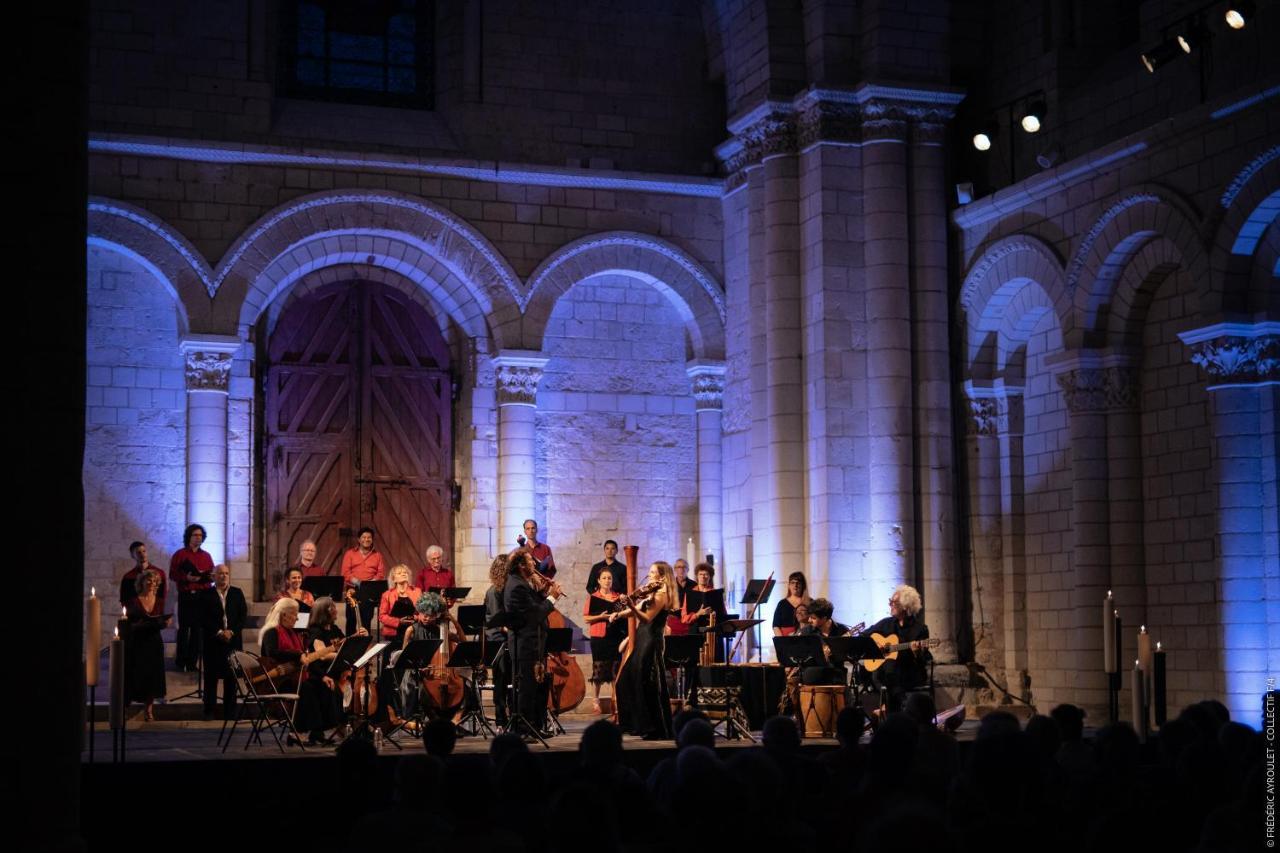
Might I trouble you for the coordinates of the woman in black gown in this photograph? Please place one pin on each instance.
(644, 705)
(144, 652)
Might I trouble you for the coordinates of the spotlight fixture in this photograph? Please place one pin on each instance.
(1238, 15)
(1162, 54)
(984, 138)
(1194, 36)
(1032, 116)
(964, 192)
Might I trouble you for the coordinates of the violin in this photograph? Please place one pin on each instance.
(639, 598)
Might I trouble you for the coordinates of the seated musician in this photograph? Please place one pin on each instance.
(277, 638)
(434, 575)
(908, 671)
(823, 623)
(785, 620)
(431, 617)
(319, 703)
(293, 589)
(397, 608)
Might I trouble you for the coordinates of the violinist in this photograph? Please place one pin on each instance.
(396, 610)
(607, 631)
(495, 636)
(644, 704)
(528, 598)
(293, 589)
(319, 705)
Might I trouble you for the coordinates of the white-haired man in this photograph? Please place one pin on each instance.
(434, 576)
(904, 621)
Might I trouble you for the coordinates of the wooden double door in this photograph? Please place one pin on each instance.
(358, 417)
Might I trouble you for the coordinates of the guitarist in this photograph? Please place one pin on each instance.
(908, 671)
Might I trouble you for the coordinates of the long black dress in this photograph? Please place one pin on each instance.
(144, 652)
(644, 706)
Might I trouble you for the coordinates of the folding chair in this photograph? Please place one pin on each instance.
(274, 709)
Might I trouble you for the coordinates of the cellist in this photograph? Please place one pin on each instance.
(431, 621)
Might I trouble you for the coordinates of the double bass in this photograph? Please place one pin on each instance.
(567, 686)
(442, 688)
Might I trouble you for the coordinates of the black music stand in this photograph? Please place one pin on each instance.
(682, 652)
(469, 655)
(451, 593)
(471, 618)
(799, 651)
(322, 585)
(516, 720)
(757, 593)
(559, 640)
(416, 656)
(370, 593)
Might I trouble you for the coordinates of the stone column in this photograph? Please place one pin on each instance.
(1242, 364)
(1094, 384)
(708, 396)
(518, 373)
(208, 369)
(930, 322)
(994, 444)
(890, 379)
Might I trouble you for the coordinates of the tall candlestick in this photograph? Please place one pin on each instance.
(1158, 681)
(690, 554)
(115, 674)
(92, 637)
(1139, 702)
(1144, 656)
(1108, 634)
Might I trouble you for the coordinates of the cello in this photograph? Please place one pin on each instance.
(567, 686)
(442, 689)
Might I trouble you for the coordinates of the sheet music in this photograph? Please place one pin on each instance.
(370, 653)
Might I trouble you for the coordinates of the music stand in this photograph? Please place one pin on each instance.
(416, 656)
(322, 585)
(559, 640)
(514, 716)
(471, 618)
(453, 593)
(757, 593)
(682, 652)
(800, 651)
(369, 593)
(468, 655)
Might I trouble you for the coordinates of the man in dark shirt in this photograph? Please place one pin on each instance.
(527, 608)
(904, 621)
(138, 551)
(615, 568)
(223, 614)
(822, 623)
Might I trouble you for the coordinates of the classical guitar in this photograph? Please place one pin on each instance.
(890, 647)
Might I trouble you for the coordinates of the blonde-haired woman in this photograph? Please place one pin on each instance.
(398, 606)
(644, 705)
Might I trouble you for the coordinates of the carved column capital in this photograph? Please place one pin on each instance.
(518, 373)
(1099, 389)
(994, 410)
(707, 378)
(1233, 354)
(207, 361)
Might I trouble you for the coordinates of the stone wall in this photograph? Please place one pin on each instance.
(136, 433)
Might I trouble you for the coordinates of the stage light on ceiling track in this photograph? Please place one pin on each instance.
(985, 138)
(1033, 116)
(1194, 36)
(1238, 15)
(1161, 55)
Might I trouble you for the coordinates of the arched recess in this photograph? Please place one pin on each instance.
(1250, 206)
(1130, 220)
(161, 250)
(691, 289)
(437, 250)
(993, 304)
(1134, 288)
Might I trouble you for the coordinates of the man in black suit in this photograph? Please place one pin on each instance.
(223, 613)
(527, 609)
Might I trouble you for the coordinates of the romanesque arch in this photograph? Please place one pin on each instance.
(160, 249)
(691, 289)
(430, 246)
(1130, 220)
(1249, 207)
(1006, 292)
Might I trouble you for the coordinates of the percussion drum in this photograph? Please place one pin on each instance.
(820, 704)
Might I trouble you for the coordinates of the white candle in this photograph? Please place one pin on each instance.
(92, 637)
(1108, 634)
(116, 678)
(690, 554)
(1139, 702)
